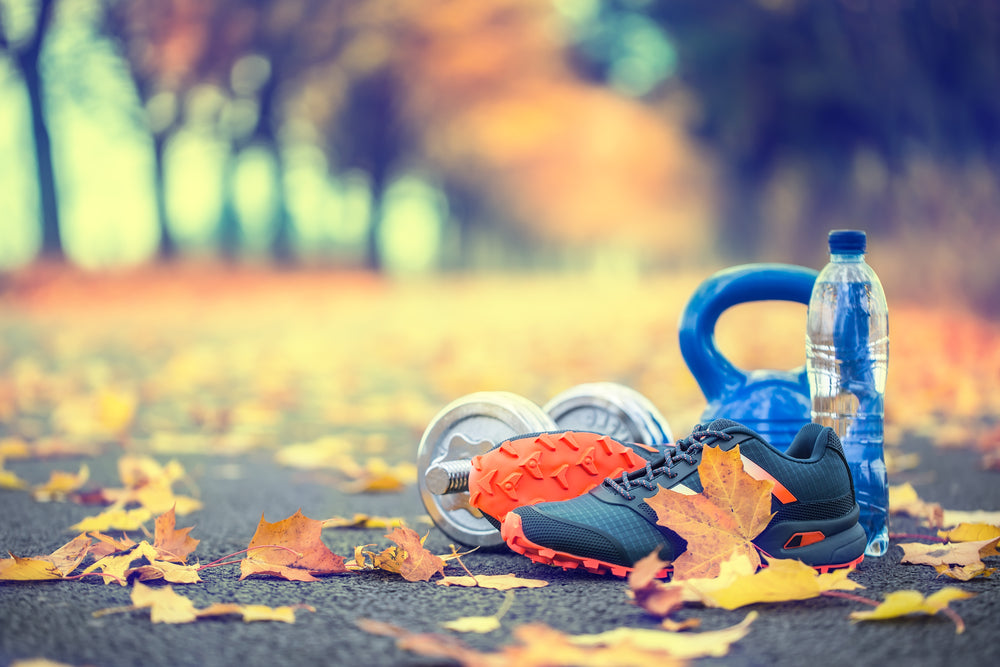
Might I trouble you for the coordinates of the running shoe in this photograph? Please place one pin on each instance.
(610, 528)
(549, 466)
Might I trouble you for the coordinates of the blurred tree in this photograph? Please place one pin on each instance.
(25, 49)
(802, 99)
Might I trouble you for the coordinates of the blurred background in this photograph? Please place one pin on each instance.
(425, 136)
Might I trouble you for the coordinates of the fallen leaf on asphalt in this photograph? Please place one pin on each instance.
(14, 448)
(476, 624)
(9, 480)
(902, 603)
(364, 521)
(956, 517)
(377, 476)
(416, 563)
(106, 544)
(302, 556)
(69, 556)
(958, 560)
(903, 499)
(482, 624)
(650, 594)
(61, 484)
(168, 606)
(28, 569)
(722, 520)
(172, 544)
(783, 580)
(114, 518)
(970, 532)
(500, 582)
(324, 452)
(59, 564)
(714, 643)
(175, 573)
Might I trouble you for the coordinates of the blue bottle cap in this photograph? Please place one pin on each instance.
(847, 242)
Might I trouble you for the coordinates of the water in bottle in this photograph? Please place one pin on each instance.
(847, 356)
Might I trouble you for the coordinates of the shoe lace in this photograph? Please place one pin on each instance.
(684, 449)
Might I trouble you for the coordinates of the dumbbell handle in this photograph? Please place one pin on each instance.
(448, 477)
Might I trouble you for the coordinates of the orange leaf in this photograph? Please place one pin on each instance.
(648, 593)
(107, 545)
(67, 557)
(303, 553)
(172, 544)
(722, 520)
(419, 564)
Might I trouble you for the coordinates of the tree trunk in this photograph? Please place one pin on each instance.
(167, 248)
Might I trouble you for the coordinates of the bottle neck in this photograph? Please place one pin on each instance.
(844, 258)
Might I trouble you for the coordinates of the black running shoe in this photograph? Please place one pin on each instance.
(610, 528)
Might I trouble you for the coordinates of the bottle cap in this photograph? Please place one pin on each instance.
(847, 242)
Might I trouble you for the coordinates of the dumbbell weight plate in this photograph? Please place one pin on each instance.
(464, 428)
(612, 409)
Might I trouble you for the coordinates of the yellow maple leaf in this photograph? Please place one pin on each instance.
(500, 582)
(782, 580)
(364, 521)
(903, 499)
(164, 604)
(116, 566)
(415, 563)
(902, 603)
(114, 518)
(955, 517)
(970, 532)
(28, 569)
(723, 519)
(9, 480)
(477, 624)
(61, 484)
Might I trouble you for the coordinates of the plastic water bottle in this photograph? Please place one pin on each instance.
(847, 357)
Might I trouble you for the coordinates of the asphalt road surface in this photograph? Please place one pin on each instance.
(54, 620)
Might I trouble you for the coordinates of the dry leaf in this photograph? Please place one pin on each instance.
(418, 564)
(970, 532)
(648, 593)
(902, 603)
(114, 518)
(9, 480)
(167, 606)
(477, 624)
(61, 484)
(903, 499)
(303, 555)
(175, 573)
(782, 580)
(28, 569)
(722, 520)
(689, 645)
(172, 544)
(500, 582)
(956, 517)
(107, 545)
(364, 521)
(59, 564)
(958, 560)
(377, 476)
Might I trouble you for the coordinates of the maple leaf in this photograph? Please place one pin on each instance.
(477, 624)
(114, 518)
(172, 544)
(302, 556)
(28, 569)
(499, 582)
(959, 560)
(956, 517)
(107, 545)
(783, 580)
(970, 532)
(9, 480)
(364, 521)
(377, 476)
(61, 484)
(417, 563)
(57, 565)
(116, 566)
(648, 593)
(723, 519)
(902, 603)
(903, 499)
(175, 573)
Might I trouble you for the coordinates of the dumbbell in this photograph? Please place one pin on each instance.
(476, 423)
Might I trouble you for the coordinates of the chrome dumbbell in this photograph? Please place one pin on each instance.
(475, 424)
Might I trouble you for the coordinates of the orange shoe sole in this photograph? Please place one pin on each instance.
(546, 467)
(513, 534)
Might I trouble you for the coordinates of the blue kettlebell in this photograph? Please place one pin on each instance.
(776, 404)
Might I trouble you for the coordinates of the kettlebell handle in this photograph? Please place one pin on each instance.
(715, 374)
